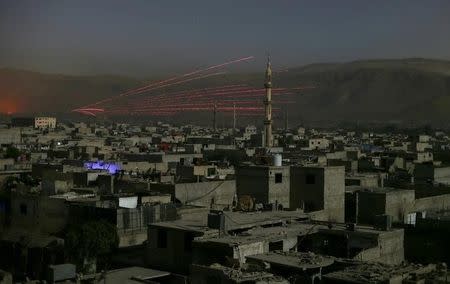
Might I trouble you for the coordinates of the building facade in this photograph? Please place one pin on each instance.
(42, 122)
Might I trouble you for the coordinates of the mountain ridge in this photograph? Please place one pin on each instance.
(370, 89)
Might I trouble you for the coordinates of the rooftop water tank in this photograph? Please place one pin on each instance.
(277, 160)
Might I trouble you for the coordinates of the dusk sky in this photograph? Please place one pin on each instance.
(144, 37)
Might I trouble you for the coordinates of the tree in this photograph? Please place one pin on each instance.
(88, 241)
(7, 186)
(12, 152)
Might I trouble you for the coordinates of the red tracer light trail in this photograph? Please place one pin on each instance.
(145, 88)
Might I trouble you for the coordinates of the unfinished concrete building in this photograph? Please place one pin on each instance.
(360, 273)
(356, 242)
(216, 194)
(266, 184)
(372, 202)
(220, 274)
(298, 267)
(169, 244)
(319, 189)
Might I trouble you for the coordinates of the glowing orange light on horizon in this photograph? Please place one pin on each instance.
(9, 106)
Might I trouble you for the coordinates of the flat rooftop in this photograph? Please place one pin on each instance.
(293, 260)
(235, 220)
(443, 216)
(257, 234)
(359, 230)
(380, 190)
(198, 225)
(243, 276)
(133, 274)
(291, 230)
(377, 272)
(241, 220)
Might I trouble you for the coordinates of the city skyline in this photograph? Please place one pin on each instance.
(203, 141)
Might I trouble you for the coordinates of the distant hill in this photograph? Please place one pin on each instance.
(383, 90)
(32, 92)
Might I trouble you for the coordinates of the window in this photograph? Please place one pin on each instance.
(310, 179)
(162, 238)
(278, 178)
(276, 245)
(188, 242)
(23, 209)
(211, 171)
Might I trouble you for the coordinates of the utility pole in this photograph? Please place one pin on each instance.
(214, 117)
(286, 120)
(234, 118)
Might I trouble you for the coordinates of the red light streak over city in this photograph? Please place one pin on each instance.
(152, 99)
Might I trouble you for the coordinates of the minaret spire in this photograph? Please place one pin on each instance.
(268, 105)
(268, 71)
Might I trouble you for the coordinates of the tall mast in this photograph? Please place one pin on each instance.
(268, 106)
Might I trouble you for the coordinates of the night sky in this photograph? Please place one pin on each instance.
(143, 37)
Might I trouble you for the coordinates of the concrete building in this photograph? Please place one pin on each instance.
(195, 172)
(318, 144)
(54, 182)
(372, 202)
(215, 194)
(356, 242)
(5, 277)
(202, 239)
(220, 274)
(10, 136)
(377, 273)
(249, 131)
(427, 240)
(430, 174)
(211, 206)
(365, 179)
(432, 201)
(44, 122)
(136, 275)
(424, 157)
(319, 188)
(351, 166)
(42, 214)
(128, 215)
(7, 164)
(22, 122)
(169, 244)
(298, 267)
(234, 250)
(266, 184)
(28, 253)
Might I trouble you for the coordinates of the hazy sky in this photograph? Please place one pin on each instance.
(142, 37)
